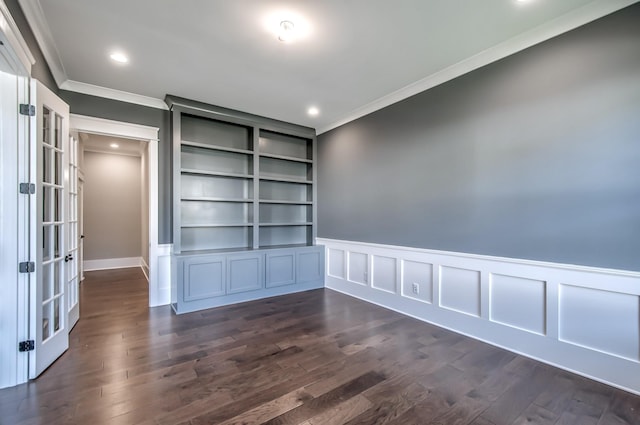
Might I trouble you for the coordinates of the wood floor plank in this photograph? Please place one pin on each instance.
(310, 358)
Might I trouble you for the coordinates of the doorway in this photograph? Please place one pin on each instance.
(146, 139)
(115, 217)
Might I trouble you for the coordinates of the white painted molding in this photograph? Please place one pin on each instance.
(546, 264)
(145, 268)
(83, 123)
(112, 263)
(86, 124)
(162, 295)
(35, 17)
(123, 96)
(582, 319)
(17, 45)
(574, 19)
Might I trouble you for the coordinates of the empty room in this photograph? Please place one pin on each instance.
(320, 212)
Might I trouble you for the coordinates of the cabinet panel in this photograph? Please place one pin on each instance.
(245, 272)
(310, 265)
(275, 213)
(203, 212)
(204, 238)
(284, 235)
(204, 277)
(196, 186)
(281, 268)
(216, 133)
(199, 159)
(280, 144)
(277, 168)
(288, 192)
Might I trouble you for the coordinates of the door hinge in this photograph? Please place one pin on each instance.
(27, 188)
(28, 345)
(26, 109)
(27, 267)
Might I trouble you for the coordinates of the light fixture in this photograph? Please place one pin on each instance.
(286, 32)
(313, 111)
(114, 145)
(119, 57)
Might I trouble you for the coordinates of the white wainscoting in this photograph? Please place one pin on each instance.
(582, 319)
(161, 294)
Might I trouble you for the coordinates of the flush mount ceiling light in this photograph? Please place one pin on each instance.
(114, 145)
(286, 32)
(313, 111)
(119, 57)
(287, 26)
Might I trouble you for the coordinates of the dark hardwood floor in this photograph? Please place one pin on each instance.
(311, 358)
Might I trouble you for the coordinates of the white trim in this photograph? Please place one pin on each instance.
(35, 17)
(162, 293)
(17, 46)
(574, 19)
(546, 264)
(81, 123)
(582, 319)
(123, 96)
(145, 268)
(112, 263)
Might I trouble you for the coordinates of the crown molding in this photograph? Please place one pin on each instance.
(35, 17)
(122, 96)
(13, 36)
(567, 22)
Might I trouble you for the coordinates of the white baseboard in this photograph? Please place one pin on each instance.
(582, 319)
(112, 263)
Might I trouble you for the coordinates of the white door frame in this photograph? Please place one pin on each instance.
(86, 124)
(14, 315)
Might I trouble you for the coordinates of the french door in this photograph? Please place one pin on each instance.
(73, 232)
(50, 306)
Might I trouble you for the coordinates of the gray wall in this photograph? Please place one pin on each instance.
(536, 156)
(94, 106)
(112, 206)
(39, 70)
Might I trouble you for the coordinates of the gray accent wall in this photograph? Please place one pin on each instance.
(536, 156)
(39, 70)
(99, 107)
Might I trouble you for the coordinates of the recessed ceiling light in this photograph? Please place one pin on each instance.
(313, 111)
(114, 145)
(119, 57)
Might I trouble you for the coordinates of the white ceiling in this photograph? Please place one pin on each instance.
(358, 56)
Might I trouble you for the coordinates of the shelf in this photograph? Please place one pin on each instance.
(286, 158)
(223, 167)
(212, 199)
(269, 201)
(285, 180)
(303, 223)
(215, 173)
(215, 147)
(197, 226)
(284, 246)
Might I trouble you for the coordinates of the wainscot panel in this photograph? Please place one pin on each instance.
(582, 319)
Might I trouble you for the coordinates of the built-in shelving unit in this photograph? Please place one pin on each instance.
(241, 184)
